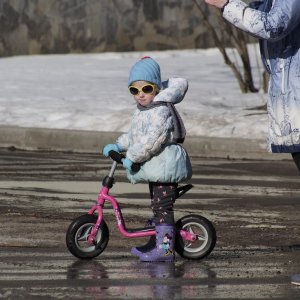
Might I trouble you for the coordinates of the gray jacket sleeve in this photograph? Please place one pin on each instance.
(155, 134)
(123, 141)
(283, 17)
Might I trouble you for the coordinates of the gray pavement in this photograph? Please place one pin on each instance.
(43, 191)
(254, 205)
(93, 141)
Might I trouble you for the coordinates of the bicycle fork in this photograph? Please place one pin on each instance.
(99, 208)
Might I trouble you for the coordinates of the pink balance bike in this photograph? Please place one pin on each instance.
(88, 235)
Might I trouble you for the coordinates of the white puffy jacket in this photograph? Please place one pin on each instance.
(149, 140)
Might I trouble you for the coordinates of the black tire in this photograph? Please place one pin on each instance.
(206, 237)
(78, 232)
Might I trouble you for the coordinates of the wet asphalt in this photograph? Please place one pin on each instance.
(254, 206)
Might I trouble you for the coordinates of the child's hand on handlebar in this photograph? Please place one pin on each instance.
(127, 164)
(109, 147)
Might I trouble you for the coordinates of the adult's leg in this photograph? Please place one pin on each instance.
(296, 158)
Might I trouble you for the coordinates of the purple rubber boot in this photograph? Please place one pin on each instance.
(137, 251)
(164, 249)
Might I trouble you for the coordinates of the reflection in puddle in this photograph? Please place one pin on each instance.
(141, 280)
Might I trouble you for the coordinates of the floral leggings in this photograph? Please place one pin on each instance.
(163, 196)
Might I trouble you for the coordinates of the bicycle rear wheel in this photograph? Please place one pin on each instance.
(206, 237)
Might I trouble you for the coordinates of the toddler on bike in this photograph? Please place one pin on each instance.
(152, 141)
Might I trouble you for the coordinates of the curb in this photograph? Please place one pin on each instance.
(44, 139)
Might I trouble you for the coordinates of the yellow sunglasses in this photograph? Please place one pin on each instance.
(146, 89)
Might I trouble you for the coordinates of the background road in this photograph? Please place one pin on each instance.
(253, 204)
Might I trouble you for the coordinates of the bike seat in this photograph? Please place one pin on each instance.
(182, 190)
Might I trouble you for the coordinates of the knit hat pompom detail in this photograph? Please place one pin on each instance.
(146, 69)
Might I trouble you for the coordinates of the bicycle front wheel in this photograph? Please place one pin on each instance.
(78, 233)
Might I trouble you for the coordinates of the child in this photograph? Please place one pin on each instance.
(150, 142)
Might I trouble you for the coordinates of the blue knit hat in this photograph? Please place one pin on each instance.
(146, 69)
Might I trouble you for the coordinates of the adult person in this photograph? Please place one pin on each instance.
(277, 24)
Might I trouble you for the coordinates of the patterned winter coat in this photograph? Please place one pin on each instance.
(149, 140)
(277, 24)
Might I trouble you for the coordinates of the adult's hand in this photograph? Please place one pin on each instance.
(217, 3)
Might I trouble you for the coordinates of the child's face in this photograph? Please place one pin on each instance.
(143, 98)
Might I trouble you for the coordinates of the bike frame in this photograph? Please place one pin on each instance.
(104, 196)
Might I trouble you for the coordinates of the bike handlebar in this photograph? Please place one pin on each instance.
(117, 157)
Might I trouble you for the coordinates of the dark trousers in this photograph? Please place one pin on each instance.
(163, 196)
(296, 158)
